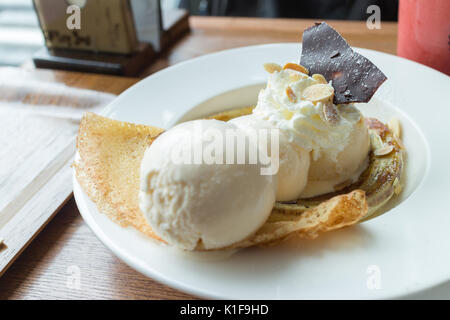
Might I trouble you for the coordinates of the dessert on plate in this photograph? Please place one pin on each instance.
(308, 162)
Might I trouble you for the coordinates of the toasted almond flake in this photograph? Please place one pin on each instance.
(295, 76)
(383, 150)
(318, 93)
(331, 114)
(272, 67)
(394, 127)
(2, 242)
(319, 78)
(291, 95)
(296, 67)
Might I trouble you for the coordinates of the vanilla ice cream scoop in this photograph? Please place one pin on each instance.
(191, 197)
(294, 161)
(335, 135)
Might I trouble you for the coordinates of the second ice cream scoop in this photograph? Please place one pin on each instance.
(293, 161)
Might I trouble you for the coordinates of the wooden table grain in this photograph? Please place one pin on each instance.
(66, 250)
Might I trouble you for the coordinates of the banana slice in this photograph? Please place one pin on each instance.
(230, 114)
(380, 181)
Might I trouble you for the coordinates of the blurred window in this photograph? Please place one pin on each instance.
(20, 35)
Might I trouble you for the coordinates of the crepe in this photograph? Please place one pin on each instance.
(108, 169)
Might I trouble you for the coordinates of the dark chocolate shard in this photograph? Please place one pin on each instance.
(354, 77)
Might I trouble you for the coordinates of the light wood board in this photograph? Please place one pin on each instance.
(38, 124)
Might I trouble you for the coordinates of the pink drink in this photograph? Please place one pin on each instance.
(424, 32)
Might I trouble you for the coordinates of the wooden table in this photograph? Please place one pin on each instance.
(66, 245)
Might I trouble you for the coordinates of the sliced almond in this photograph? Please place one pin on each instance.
(272, 67)
(318, 93)
(394, 127)
(383, 150)
(291, 95)
(296, 67)
(331, 114)
(319, 78)
(296, 76)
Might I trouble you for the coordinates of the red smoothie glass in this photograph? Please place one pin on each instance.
(424, 32)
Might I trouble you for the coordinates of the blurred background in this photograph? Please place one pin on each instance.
(20, 35)
(307, 9)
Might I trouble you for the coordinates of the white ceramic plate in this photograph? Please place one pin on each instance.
(399, 253)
